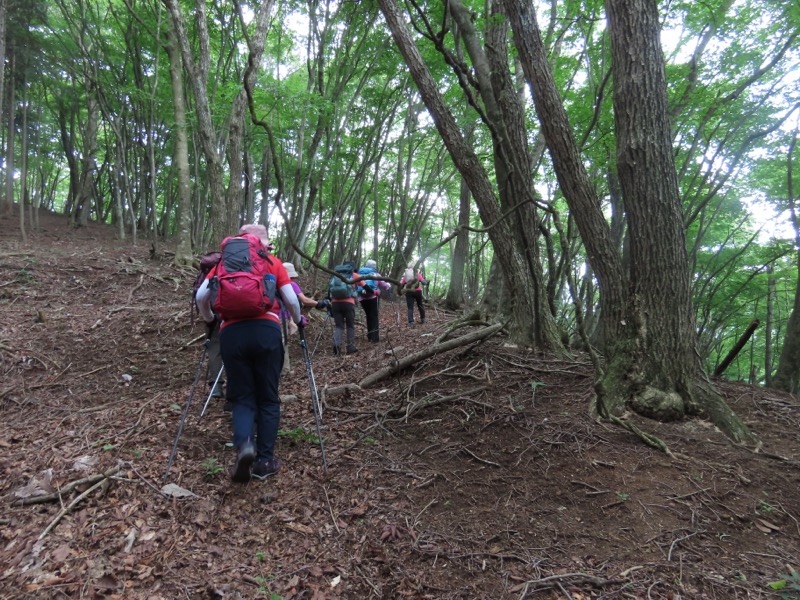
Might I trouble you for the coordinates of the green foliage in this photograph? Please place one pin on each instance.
(212, 466)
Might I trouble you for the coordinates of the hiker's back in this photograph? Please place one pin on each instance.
(242, 286)
(341, 290)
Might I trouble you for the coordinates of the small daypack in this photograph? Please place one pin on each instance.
(207, 262)
(338, 289)
(365, 272)
(242, 287)
(411, 277)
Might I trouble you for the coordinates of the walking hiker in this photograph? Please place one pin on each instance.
(305, 301)
(411, 284)
(343, 306)
(213, 370)
(370, 302)
(242, 291)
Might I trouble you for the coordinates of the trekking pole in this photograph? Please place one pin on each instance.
(186, 410)
(211, 391)
(315, 405)
(321, 331)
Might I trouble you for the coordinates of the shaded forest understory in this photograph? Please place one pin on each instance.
(476, 474)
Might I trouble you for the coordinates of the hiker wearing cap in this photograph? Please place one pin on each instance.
(251, 343)
(370, 297)
(305, 301)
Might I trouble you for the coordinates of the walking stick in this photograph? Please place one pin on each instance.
(186, 410)
(315, 405)
(211, 391)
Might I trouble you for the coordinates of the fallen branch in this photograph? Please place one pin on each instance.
(70, 487)
(67, 509)
(407, 361)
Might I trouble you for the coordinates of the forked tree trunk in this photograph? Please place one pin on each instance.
(530, 324)
(651, 363)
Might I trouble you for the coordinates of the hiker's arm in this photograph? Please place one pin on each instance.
(291, 302)
(203, 300)
(306, 301)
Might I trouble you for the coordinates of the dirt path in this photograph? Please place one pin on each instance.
(478, 474)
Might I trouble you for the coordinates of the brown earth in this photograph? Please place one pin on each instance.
(475, 474)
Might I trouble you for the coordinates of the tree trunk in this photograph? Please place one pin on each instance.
(183, 218)
(527, 324)
(651, 365)
(198, 75)
(658, 372)
(771, 284)
(11, 136)
(787, 376)
(455, 292)
(3, 11)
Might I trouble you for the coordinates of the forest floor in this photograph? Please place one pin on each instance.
(477, 473)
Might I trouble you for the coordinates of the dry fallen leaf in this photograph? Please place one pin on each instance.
(768, 525)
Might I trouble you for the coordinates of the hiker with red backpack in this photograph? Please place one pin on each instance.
(242, 291)
(369, 301)
(411, 284)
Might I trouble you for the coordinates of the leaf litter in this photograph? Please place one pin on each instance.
(477, 473)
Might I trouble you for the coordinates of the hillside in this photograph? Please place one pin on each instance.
(474, 474)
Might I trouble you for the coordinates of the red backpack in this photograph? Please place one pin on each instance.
(242, 287)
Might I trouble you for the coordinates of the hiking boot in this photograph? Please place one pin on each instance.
(336, 351)
(352, 350)
(216, 391)
(244, 460)
(266, 468)
(412, 324)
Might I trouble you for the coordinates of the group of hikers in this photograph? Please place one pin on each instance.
(244, 294)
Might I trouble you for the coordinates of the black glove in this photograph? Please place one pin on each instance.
(367, 290)
(302, 322)
(323, 305)
(210, 326)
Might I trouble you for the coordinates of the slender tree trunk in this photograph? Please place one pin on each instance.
(3, 11)
(11, 137)
(455, 291)
(197, 72)
(787, 376)
(768, 327)
(23, 176)
(83, 202)
(183, 217)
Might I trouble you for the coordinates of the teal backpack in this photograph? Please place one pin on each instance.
(338, 289)
(364, 272)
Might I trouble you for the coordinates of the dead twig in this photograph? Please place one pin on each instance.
(70, 487)
(67, 509)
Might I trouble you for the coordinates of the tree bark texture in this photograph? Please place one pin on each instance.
(515, 269)
(787, 376)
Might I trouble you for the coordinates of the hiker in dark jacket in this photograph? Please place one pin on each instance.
(343, 311)
(370, 301)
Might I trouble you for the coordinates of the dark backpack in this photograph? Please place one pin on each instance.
(207, 262)
(242, 287)
(338, 289)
